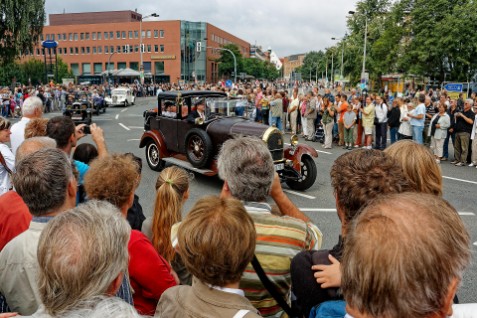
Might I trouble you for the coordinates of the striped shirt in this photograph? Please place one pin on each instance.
(279, 239)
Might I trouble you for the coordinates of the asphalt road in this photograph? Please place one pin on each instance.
(123, 128)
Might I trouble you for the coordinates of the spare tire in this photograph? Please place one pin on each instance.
(198, 147)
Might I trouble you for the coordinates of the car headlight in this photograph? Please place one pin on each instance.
(294, 140)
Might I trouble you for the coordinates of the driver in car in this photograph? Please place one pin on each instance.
(198, 112)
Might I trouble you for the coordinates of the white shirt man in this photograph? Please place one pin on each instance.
(32, 108)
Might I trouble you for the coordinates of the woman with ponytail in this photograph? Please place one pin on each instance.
(172, 190)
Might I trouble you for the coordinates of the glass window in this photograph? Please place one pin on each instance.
(93, 36)
(143, 34)
(47, 37)
(130, 34)
(52, 37)
(106, 49)
(98, 68)
(156, 34)
(156, 48)
(99, 35)
(136, 34)
(37, 51)
(76, 36)
(123, 34)
(134, 65)
(121, 65)
(147, 67)
(82, 50)
(87, 50)
(136, 48)
(81, 36)
(118, 34)
(111, 35)
(94, 49)
(118, 49)
(41, 37)
(109, 66)
(76, 51)
(161, 33)
(149, 48)
(59, 37)
(74, 69)
(71, 50)
(162, 48)
(111, 49)
(87, 35)
(126, 48)
(106, 35)
(64, 36)
(159, 68)
(100, 49)
(148, 32)
(86, 68)
(70, 36)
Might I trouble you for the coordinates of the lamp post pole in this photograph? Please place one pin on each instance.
(109, 71)
(155, 15)
(233, 55)
(342, 54)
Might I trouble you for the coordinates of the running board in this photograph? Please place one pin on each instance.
(188, 166)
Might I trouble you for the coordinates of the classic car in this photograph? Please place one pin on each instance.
(169, 137)
(99, 104)
(120, 96)
(80, 112)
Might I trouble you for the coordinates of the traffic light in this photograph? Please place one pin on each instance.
(199, 46)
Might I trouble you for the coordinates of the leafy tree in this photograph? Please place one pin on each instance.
(314, 63)
(226, 66)
(21, 24)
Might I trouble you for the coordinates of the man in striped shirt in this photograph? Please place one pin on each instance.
(246, 166)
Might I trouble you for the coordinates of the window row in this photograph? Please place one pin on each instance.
(223, 41)
(124, 49)
(109, 35)
(98, 68)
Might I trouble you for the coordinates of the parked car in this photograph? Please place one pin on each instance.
(169, 137)
(121, 96)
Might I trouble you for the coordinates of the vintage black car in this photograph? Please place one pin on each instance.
(170, 137)
(80, 112)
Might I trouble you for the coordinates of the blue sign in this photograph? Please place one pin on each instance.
(454, 87)
(228, 83)
(49, 44)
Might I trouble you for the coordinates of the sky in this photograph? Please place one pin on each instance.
(287, 27)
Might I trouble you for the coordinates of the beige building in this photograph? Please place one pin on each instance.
(291, 63)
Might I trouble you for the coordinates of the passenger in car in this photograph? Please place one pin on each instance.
(199, 112)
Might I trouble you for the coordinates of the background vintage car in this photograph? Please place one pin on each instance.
(195, 145)
(120, 96)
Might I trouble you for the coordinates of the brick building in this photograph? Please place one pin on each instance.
(93, 42)
(291, 63)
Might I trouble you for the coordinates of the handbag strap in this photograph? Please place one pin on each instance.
(2, 160)
(271, 288)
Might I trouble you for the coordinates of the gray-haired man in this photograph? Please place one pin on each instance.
(246, 166)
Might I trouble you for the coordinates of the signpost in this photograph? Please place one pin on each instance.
(454, 89)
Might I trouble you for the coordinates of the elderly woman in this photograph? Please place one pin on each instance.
(292, 110)
(368, 122)
(7, 159)
(438, 131)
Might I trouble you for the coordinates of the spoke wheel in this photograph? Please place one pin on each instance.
(153, 157)
(308, 175)
(198, 147)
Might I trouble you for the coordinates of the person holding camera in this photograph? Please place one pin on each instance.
(463, 128)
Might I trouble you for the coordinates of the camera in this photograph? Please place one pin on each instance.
(86, 130)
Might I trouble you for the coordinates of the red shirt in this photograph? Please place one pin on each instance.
(14, 217)
(149, 273)
(342, 110)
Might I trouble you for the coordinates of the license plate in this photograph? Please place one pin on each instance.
(279, 166)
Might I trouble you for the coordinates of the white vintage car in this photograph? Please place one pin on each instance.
(120, 96)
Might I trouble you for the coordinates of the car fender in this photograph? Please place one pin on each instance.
(158, 139)
(295, 153)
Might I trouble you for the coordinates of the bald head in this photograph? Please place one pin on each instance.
(404, 256)
(32, 145)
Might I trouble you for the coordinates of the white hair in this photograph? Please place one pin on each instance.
(470, 101)
(30, 105)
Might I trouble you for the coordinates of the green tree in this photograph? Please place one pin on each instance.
(226, 66)
(314, 64)
(21, 24)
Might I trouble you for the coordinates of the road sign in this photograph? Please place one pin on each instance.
(228, 83)
(454, 87)
(49, 44)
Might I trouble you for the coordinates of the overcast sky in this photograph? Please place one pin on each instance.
(288, 27)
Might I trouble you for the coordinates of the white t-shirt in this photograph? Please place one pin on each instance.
(18, 133)
(10, 161)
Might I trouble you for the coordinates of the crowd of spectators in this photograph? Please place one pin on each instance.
(74, 243)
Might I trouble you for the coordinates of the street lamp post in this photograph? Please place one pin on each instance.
(155, 15)
(233, 55)
(109, 71)
(342, 55)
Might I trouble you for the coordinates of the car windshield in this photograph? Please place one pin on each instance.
(227, 107)
(119, 92)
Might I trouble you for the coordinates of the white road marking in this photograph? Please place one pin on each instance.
(318, 210)
(300, 194)
(475, 243)
(328, 153)
(461, 180)
(466, 213)
(117, 117)
(136, 127)
(134, 139)
(124, 126)
(124, 110)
